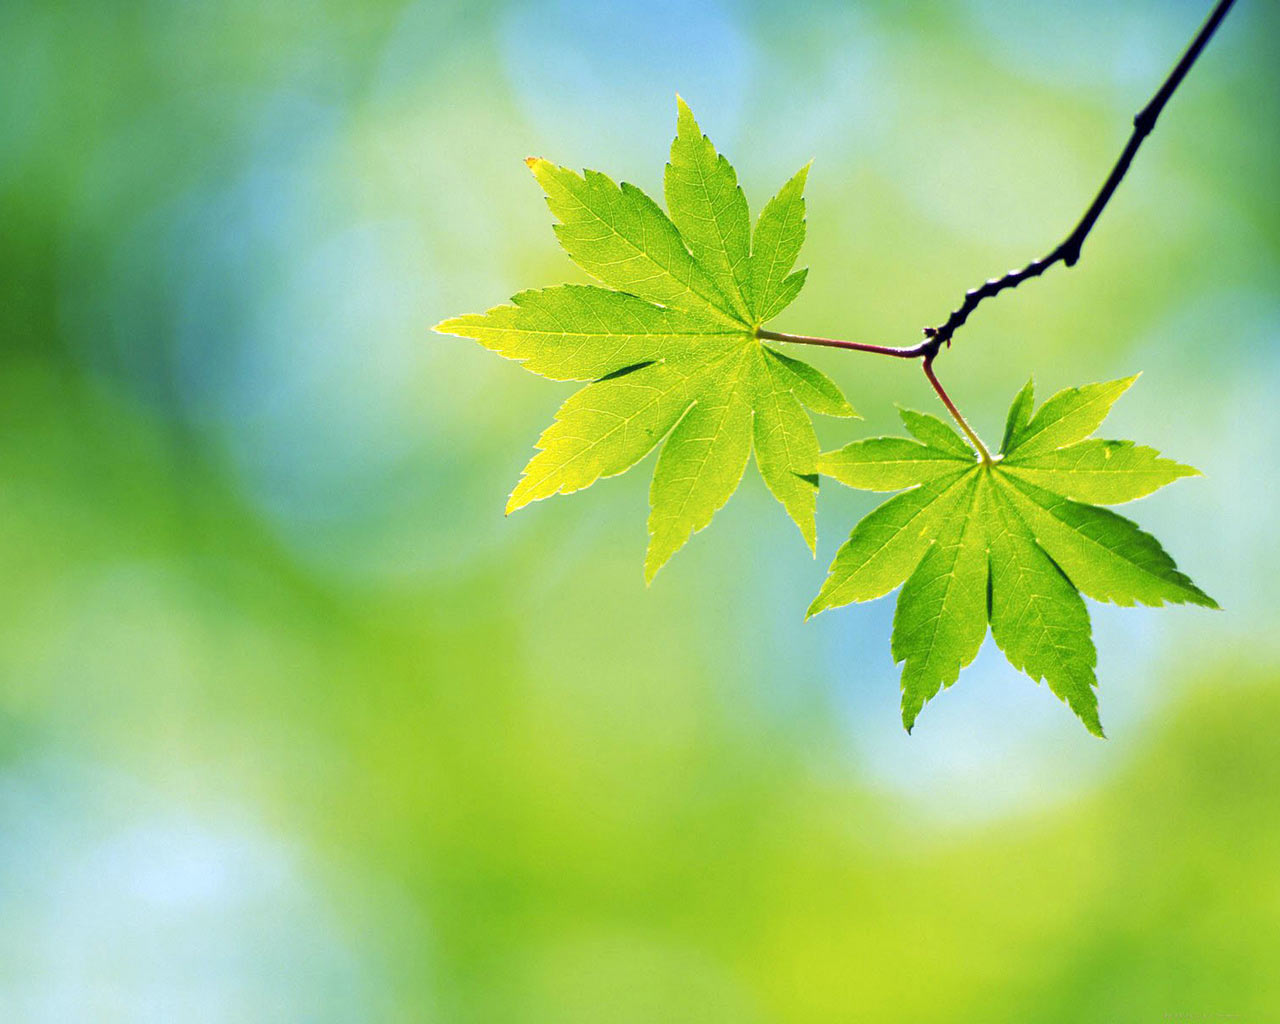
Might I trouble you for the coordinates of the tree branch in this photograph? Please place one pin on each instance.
(1068, 252)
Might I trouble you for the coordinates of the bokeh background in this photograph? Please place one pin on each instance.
(295, 725)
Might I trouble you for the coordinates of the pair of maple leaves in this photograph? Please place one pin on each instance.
(671, 350)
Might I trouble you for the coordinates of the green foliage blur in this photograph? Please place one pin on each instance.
(295, 725)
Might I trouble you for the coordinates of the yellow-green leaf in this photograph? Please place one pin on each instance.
(980, 543)
(669, 344)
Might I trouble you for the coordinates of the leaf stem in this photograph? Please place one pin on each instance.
(969, 432)
(923, 351)
(908, 352)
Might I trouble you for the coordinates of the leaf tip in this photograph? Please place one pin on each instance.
(684, 117)
(540, 167)
(653, 562)
(911, 706)
(1091, 721)
(516, 501)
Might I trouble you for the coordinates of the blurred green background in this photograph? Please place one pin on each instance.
(294, 725)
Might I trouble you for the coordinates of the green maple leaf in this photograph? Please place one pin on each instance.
(670, 346)
(1011, 543)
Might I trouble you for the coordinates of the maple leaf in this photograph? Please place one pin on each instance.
(1011, 543)
(670, 346)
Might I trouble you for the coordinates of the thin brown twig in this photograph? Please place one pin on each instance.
(969, 432)
(910, 352)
